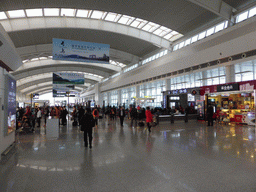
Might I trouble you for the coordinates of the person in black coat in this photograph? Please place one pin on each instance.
(87, 123)
(133, 115)
(64, 116)
(80, 114)
(121, 115)
(210, 115)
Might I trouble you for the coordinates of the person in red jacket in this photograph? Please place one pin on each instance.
(149, 118)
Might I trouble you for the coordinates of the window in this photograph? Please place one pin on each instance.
(242, 17)
(245, 71)
(219, 27)
(215, 76)
(194, 39)
(252, 12)
(16, 13)
(34, 12)
(201, 35)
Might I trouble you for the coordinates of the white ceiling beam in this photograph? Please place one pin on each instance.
(218, 7)
(59, 68)
(26, 24)
(45, 80)
(46, 87)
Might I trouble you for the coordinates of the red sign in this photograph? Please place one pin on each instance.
(239, 118)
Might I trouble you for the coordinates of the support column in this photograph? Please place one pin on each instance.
(228, 74)
(108, 99)
(119, 97)
(137, 89)
(97, 94)
(168, 84)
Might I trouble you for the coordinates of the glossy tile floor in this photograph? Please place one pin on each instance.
(173, 158)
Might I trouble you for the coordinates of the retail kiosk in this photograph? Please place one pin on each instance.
(234, 101)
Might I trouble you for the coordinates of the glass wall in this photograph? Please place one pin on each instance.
(105, 98)
(113, 98)
(216, 76)
(153, 90)
(187, 81)
(245, 71)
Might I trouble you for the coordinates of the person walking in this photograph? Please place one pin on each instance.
(95, 114)
(87, 123)
(39, 116)
(209, 115)
(149, 118)
(122, 115)
(133, 115)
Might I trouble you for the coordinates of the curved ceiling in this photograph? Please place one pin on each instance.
(128, 44)
(178, 12)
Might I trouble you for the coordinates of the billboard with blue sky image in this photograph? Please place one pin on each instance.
(65, 82)
(80, 51)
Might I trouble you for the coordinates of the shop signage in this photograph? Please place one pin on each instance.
(246, 87)
(177, 92)
(230, 87)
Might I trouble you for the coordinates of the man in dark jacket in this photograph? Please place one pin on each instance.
(209, 115)
(134, 115)
(80, 114)
(87, 123)
(64, 116)
(121, 115)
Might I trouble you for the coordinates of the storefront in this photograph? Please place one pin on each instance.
(233, 102)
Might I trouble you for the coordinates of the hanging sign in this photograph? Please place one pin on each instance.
(229, 87)
(69, 50)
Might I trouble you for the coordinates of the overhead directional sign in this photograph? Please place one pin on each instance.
(80, 51)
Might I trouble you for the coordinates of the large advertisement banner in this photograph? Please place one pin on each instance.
(80, 51)
(10, 105)
(68, 78)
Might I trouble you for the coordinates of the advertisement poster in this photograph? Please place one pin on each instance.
(68, 78)
(69, 50)
(10, 104)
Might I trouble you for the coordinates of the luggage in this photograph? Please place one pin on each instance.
(141, 124)
(74, 123)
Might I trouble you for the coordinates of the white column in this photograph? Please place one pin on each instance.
(228, 74)
(168, 84)
(137, 88)
(108, 99)
(97, 94)
(119, 97)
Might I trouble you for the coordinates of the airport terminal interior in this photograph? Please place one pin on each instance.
(134, 95)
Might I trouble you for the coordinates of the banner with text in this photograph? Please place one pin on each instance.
(80, 51)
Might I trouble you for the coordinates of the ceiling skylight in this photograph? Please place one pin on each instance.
(83, 13)
(2, 15)
(112, 17)
(162, 31)
(34, 12)
(16, 13)
(138, 23)
(68, 12)
(126, 20)
(97, 14)
(51, 12)
(150, 27)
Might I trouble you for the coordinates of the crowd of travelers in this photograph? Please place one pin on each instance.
(87, 118)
